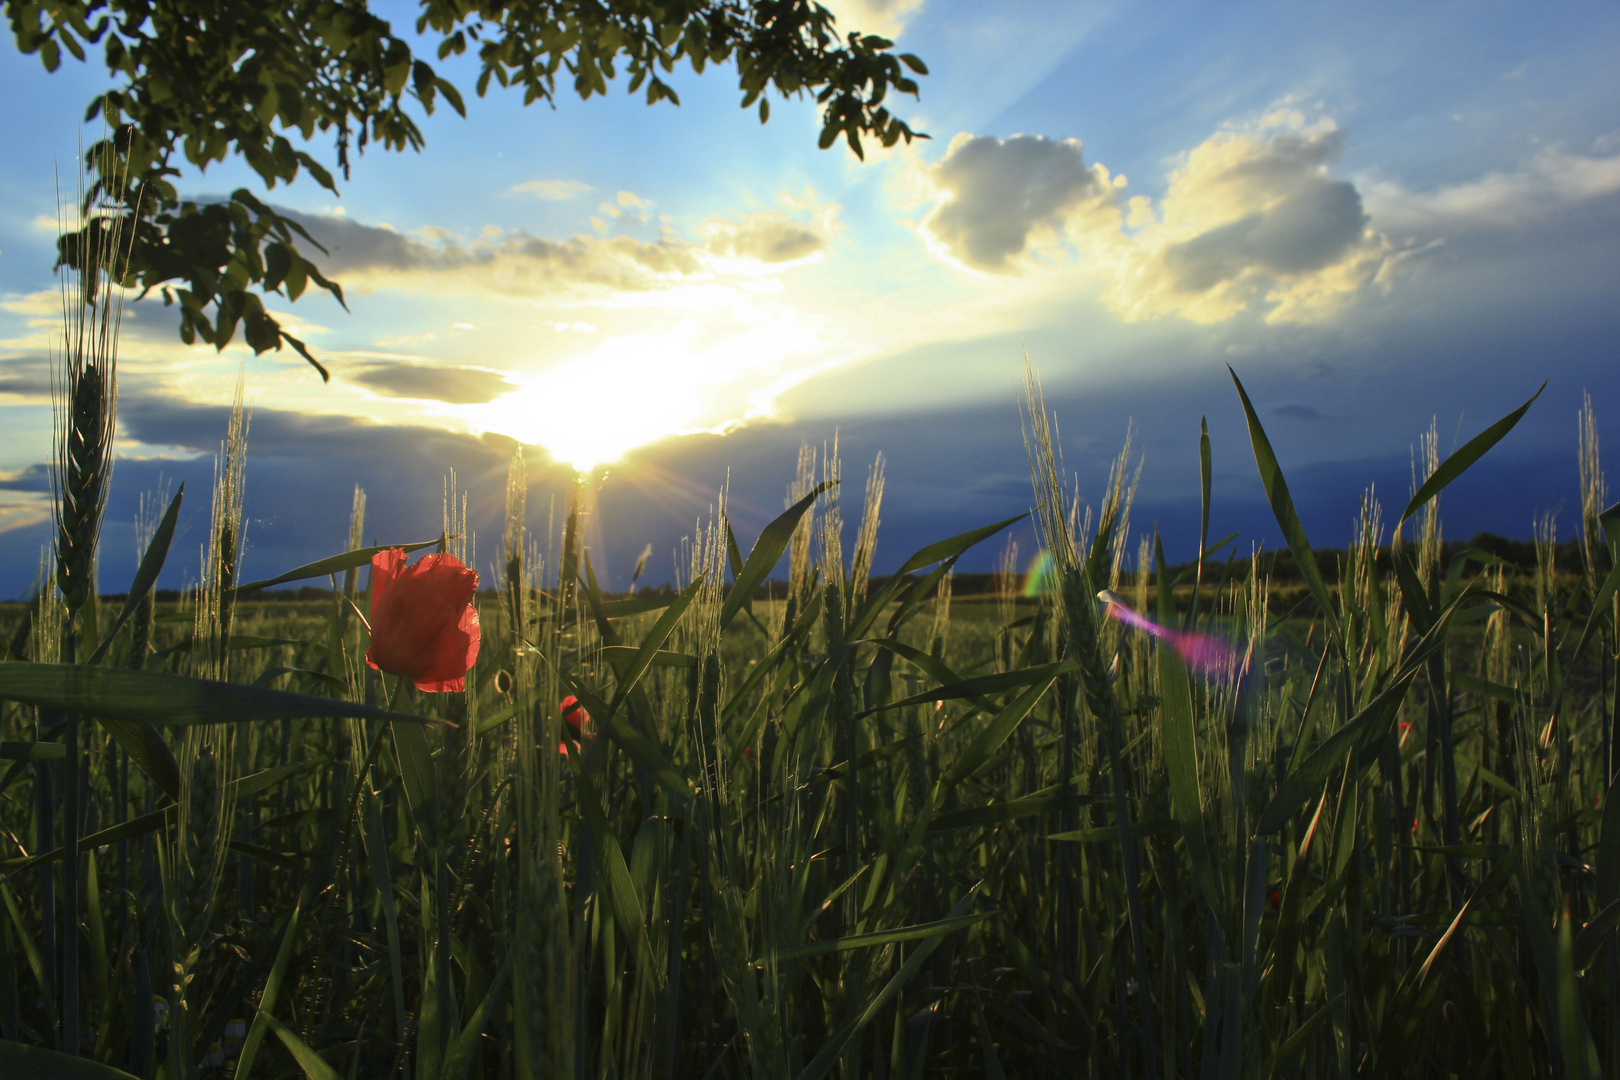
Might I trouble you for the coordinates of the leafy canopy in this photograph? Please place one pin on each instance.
(202, 79)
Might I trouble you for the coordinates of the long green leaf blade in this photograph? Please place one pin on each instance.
(157, 552)
(37, 1063)
(147, 697)
(1282, 508)
(1466, 455)
(334, 564)
(773, 541)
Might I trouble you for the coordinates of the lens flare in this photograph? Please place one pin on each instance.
(1036, 578)
(1203, 652)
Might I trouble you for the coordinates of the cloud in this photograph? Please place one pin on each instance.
(1297, 410)
(766, 237)
(453, 385)
(1550, 182)
(22, 510)
(886, 18)
(26, 376)
(552, 190)
(516, 263)
(35, 478)
(509, 262)
(1251, 218)
(995, 198)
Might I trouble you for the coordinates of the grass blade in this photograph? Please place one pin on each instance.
(1282, 508)
(1466, 455)
(334, 564)
(36, 1063)
(146, 576)
(768, 549)
(145, 697)
(314, 1066)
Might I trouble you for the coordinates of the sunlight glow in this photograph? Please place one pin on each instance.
(637, 389)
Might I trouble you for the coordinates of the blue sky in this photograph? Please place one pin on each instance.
(1381, 215)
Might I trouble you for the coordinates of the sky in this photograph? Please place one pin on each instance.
(1386, 218)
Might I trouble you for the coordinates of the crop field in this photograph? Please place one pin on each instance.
(1108, 819)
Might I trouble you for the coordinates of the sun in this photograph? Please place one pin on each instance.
(637, 389)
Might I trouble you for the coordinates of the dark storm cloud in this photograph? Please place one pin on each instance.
(1296, 410)
(33, 478)
(455, 385)
(1313, 226)
(27, 375)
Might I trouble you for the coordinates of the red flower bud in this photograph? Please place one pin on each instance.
(424, 626)
(1275, 898)
(574, 714)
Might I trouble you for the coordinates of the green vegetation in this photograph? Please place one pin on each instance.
(859, 831)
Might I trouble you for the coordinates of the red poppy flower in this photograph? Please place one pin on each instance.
(577, 718)
(424, 626)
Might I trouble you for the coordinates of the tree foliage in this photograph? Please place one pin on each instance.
(200, 80)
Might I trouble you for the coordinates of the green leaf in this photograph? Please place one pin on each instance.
(621, 889)
(314, 1066)
(1608, 855)
(151, 565)
(979, 817)
(773, 541)
(1282, 508)
(334, 564)
(1110, 833)
(1301, 1038)
(631, 741)
(942, 551)
(1326, 761)
(988, 741)
(149, 751)
(880, 937)
(651, 645)
(618, 654)
(466, 1041)
(983, 685)
(1600, 612)
(416, 774)
(32, 751)
(1595, 934)
(272, 991)
(1470, 452)
(146, 697)
(1178, 734)
(124, 830)
(828, 1056)
(36, 1063)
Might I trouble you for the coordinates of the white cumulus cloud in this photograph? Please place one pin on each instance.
(1252, 218)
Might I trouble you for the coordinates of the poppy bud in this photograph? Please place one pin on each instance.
(1275, 899)
(574, 714)
(424, 626)
(503, 682)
